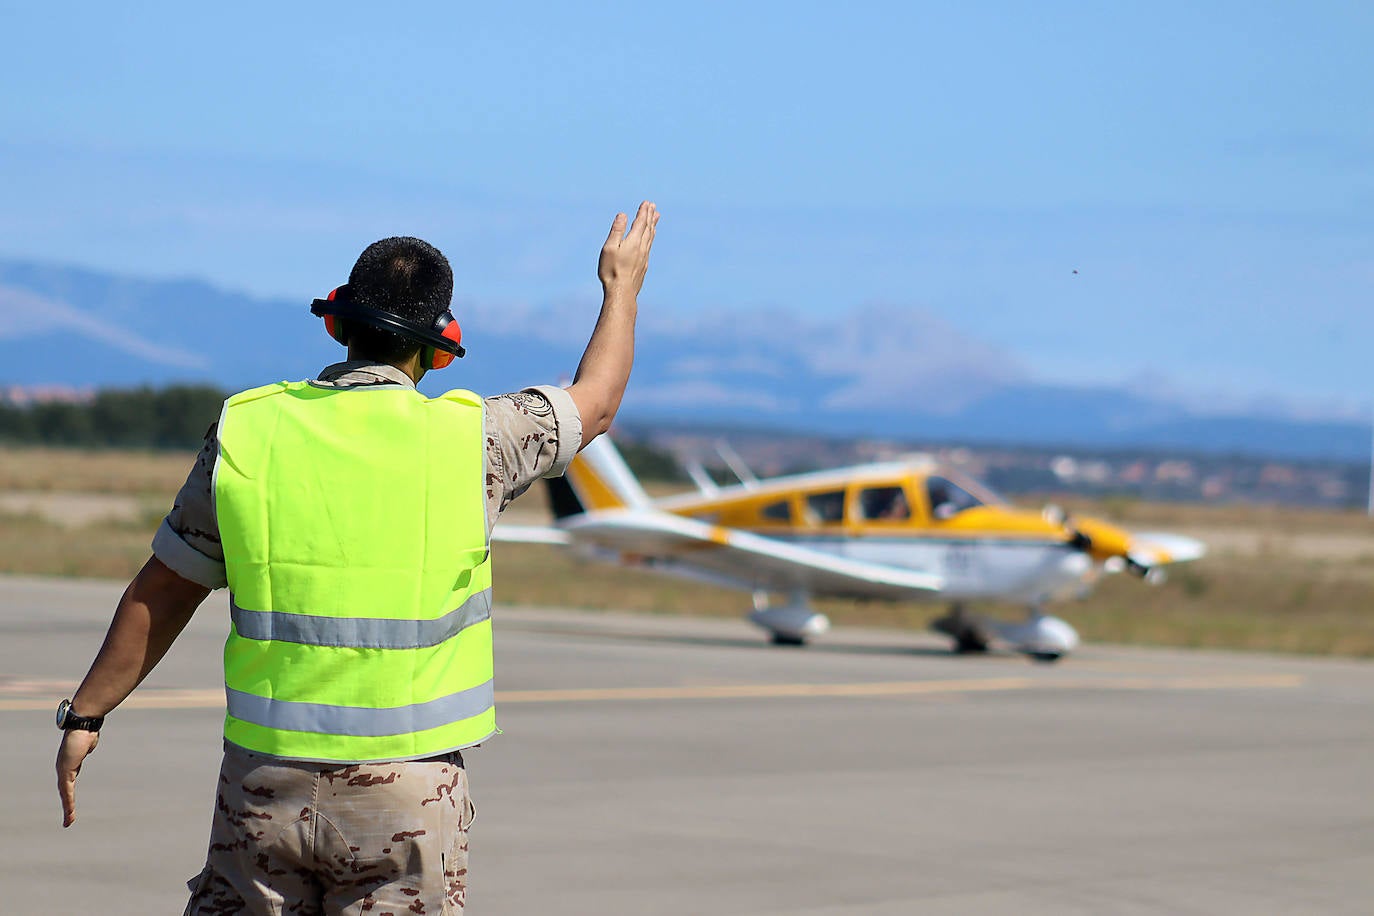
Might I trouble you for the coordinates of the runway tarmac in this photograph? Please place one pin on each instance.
(681, 766)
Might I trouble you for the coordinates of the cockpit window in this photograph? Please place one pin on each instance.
(825, 508)
(884, 504)
(780, 511)
(948, 499)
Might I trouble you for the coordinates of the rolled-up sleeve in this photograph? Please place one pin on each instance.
(567, 428)
(530, 434)
(187, 542)
(184, 560)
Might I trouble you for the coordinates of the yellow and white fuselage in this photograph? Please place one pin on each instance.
(896, 531)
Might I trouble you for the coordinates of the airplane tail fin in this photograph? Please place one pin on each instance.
(598, 478)
(563, 502)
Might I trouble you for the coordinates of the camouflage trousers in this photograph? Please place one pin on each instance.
(309, 838)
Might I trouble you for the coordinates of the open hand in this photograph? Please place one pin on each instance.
(625, 256)
(76, 745)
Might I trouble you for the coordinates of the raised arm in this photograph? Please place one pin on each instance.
(605, 368)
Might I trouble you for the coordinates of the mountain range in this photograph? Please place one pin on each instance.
(885, 371)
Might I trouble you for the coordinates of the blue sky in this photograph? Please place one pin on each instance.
(1208, 169)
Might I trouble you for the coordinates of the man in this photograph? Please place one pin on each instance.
(350, 517)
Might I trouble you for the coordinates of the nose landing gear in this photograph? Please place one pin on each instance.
(1040, 637)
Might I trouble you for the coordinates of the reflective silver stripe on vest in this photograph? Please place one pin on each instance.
(359, 721)
(359, 632)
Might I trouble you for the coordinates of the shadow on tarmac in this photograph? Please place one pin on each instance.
(754, 645)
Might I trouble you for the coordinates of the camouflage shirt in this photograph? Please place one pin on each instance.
(530, 434)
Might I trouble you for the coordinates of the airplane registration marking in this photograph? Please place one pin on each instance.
(211, 699)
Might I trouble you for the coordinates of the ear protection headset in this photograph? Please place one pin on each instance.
(441, 341)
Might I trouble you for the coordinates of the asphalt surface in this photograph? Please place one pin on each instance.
(678, 766)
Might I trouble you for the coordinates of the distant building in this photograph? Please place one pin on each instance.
(1174, 472)
(26, 395)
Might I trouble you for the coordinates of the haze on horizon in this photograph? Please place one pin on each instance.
(1171, 194)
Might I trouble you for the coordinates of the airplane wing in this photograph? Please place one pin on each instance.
(530, 534)
(740, 558)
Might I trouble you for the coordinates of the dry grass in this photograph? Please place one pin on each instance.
(1285, 520)
(73, 470)
(1275, 579)
(127, 491)
(107, 550)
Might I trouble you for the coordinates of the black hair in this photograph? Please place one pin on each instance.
(405, 276)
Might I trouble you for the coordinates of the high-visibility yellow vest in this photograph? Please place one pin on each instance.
(355, 542)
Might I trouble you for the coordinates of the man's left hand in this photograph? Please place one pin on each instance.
(76, 745)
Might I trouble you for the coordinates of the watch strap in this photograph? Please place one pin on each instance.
(71, 721)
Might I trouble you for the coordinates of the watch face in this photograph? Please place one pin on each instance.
(62, 709)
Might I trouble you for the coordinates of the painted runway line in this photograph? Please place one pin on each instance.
(210, 699)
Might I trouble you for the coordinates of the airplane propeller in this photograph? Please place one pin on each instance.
(1078, 539)
(1144, 557)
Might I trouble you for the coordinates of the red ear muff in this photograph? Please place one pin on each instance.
(446, 327)
(335, 328)
(332, 324)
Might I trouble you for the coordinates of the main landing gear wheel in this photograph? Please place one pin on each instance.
(1046, 658)
(792, 625)
(969, 638)
(970, 644)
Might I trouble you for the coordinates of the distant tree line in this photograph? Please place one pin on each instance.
(175, 417)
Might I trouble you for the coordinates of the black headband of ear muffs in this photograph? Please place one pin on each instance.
(341, 307)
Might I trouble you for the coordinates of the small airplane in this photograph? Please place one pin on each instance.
(896, 531)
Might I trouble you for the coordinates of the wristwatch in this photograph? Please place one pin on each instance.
(68, 720)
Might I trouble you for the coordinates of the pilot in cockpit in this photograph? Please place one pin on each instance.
(948, 499)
